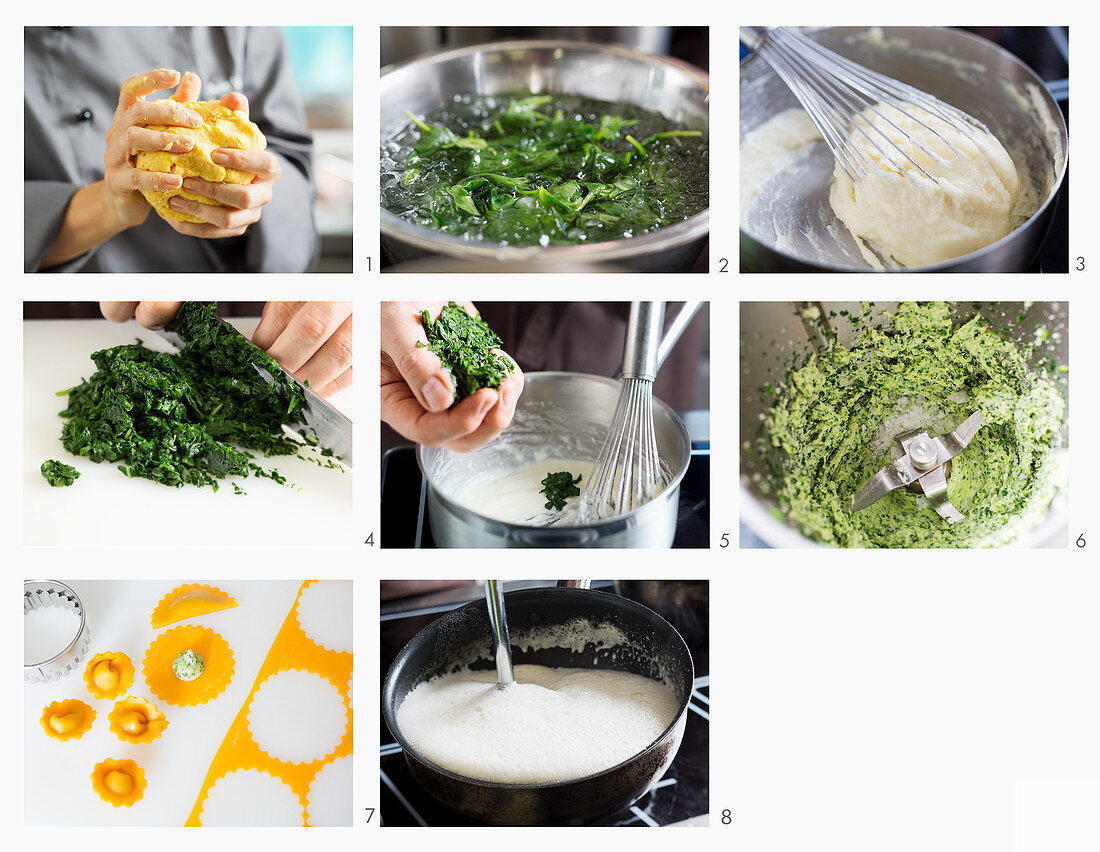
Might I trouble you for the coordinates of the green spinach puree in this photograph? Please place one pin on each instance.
(544, 170)
(835, 420)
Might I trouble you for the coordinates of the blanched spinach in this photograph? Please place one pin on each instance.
(465, 345)
(558, 487)
(545, 170)
(187, 418)
(59, 474)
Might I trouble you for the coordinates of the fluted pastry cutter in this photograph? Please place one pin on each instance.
(40, 594)
(923, 467)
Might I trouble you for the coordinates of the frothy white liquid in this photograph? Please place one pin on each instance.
(551, 725)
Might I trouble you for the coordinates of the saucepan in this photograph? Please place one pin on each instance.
(602, 71)
(969, 72)
(559, 415)
(647, 645)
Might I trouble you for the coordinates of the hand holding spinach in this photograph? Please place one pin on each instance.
(419, 392)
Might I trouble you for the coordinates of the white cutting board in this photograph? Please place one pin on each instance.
(57, 787)
(105, 507)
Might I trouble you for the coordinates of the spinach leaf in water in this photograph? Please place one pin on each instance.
(59, 474)
(558, 487)
(465, 345)
(186, 418)
(546, 170)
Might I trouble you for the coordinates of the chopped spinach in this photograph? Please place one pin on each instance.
(187, 418)
(465, 345)
(59, 474)
(558, 487)
(545, 170)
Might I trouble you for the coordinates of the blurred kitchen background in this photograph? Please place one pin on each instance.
(322, 61)
(691, 44)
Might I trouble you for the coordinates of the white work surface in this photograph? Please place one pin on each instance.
(105, 507)
(57, 786)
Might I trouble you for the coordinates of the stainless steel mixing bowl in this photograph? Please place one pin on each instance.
(965, 70)
(558, 415)
(602, 71)
(774, 333)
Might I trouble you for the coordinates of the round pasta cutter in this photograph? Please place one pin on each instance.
(923, 467)
(58, 655)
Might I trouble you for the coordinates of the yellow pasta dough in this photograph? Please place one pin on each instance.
(189, 601)
(217, 665)
(222, 128)
(135, 720)
(67, 720)
(119, 783)
(108, 674)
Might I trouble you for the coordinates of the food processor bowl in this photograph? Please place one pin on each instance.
(774, 334)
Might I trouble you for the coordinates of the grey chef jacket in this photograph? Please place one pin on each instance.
(71, 80)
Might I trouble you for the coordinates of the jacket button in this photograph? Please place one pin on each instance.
(85, 115)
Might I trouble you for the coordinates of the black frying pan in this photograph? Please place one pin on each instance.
(462, 638)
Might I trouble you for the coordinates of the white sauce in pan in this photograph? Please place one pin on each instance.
(551, 725)
(513, 495)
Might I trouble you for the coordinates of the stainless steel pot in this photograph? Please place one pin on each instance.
(773, 334)
(651, 647)
(965, 70)
(559, 414)
(603, 71)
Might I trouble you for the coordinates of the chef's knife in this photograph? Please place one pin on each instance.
(333, 429)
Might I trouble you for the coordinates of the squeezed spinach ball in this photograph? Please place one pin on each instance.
(835, 421)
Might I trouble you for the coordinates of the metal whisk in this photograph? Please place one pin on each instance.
(628, 470)
(834, 91)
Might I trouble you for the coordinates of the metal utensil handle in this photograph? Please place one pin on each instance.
(502, 652)
(676, 330)
(643, 336)
(752, 37)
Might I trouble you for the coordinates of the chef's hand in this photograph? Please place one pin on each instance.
(148, 314)
(128, 135)
(100, 210)
(243, 202)
(417, 393)
(310, 340)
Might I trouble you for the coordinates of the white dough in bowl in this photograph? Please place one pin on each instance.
(951, 188)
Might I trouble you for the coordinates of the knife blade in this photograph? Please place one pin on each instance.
(333, 429)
